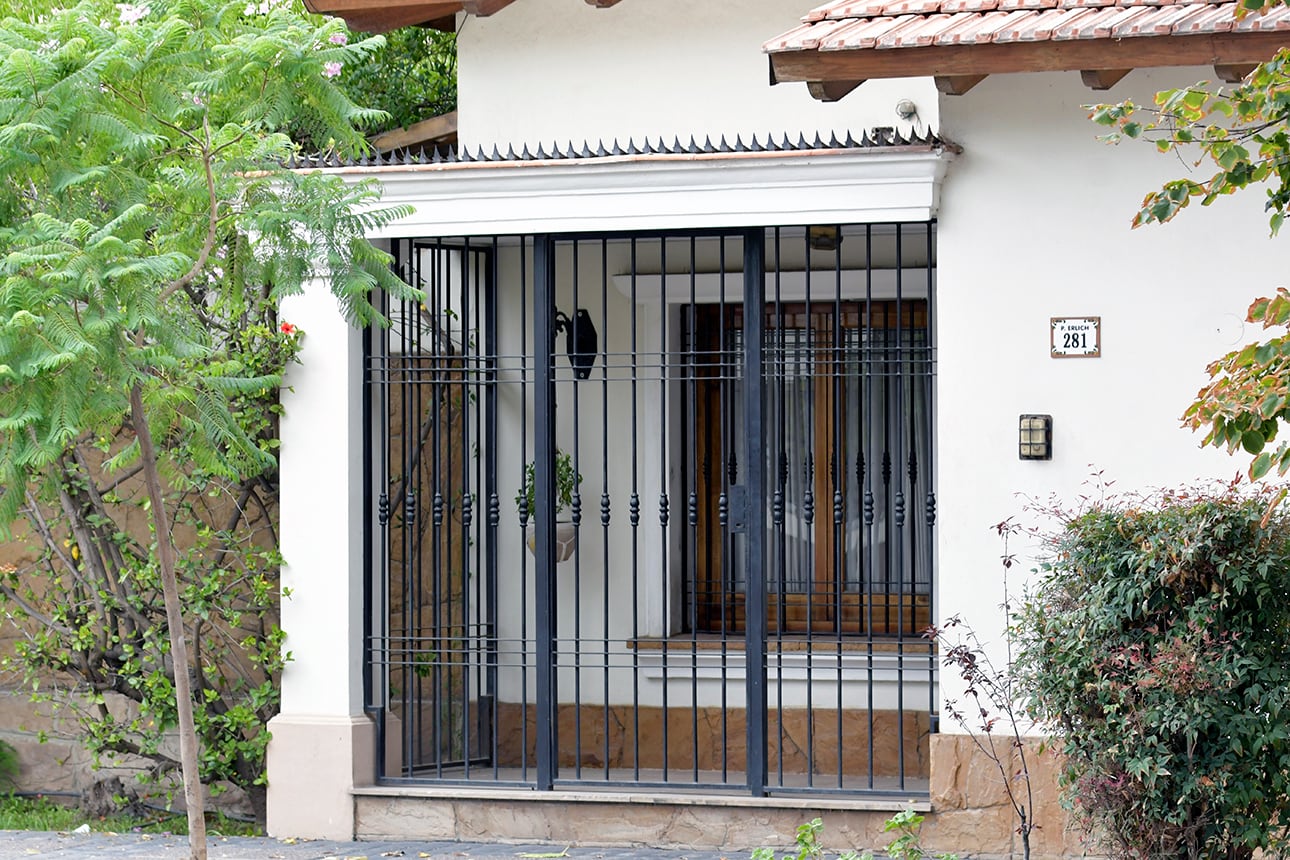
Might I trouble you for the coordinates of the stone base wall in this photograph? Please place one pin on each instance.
(970, 814)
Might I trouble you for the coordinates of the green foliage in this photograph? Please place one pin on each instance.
(1242, 131)
(8, 764)
(905, 846)
(41, 813)
(411, 78)
(1248, 396)
(567, 480)
(1154, 648)
(148, 228)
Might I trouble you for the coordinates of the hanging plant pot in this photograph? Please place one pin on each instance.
(566, 540)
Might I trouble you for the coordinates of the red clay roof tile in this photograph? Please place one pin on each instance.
(845, 25)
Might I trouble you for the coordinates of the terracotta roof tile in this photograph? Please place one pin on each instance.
(845, 25)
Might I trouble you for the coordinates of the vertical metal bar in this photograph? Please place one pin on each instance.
(867, 553)
(440, 388)
(754, 480)
(663, 514)
(837, 472)
(544, 553)
(605, 511)
(460, 623)
(489, 631)
(898, 562)
(929, 480)
(692, 383)
(634, 518)
(577, 558)
(526, 515)
(808, 507)
(727, 381)
(779, 572)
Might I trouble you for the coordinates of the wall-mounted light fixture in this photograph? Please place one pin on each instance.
(824, 238)
(1036, 437)
(580, 340)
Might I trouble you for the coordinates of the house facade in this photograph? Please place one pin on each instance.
(628, 531)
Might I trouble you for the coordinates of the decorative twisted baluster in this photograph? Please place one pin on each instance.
(634, 510)
(662, 509)
(494, 509)
(383, 510)
(604, 509)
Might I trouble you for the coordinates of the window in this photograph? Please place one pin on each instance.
(847, 432)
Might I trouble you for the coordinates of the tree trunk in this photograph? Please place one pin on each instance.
(175, 626)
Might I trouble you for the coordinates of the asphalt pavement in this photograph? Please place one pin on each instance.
(16, 844)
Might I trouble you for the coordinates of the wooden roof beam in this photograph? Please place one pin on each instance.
(1233, 73)
(1075, 55)
(484, 8)
(378, 17)
(1102, 79)
(437, 129)
(830, 91)
(957, 85)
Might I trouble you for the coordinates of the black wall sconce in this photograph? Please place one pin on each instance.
(580, 340)
(1036, 437)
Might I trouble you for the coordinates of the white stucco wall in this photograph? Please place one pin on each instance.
(1034, 224)
(560, 70)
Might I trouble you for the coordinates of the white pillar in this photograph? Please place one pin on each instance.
(322, 744)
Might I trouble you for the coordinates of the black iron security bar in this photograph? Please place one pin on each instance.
(722, 578)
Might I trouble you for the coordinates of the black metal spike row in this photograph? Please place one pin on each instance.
(494, 510)
(604, 509)
(880, 137)
(634, 510)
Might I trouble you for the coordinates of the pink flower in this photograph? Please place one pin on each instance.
(288, 328)
(331, 70)
(131, 13)
(338, 38)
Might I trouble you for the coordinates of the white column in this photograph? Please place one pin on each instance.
(322, 743)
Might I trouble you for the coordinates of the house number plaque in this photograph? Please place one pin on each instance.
(1076, 337)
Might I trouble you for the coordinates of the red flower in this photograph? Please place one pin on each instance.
(288, 328)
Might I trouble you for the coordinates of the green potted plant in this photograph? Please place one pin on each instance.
(567, 480)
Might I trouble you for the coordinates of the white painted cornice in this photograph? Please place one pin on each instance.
(658, 192)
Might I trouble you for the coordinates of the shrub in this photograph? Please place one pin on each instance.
(1155, 648)
(8, 765)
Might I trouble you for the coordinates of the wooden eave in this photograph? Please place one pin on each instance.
(379, 16)
(958, 67)
(430, 133)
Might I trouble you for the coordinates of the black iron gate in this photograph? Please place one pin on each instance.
(656, 510)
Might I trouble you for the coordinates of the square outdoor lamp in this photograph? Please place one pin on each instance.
(1036, 437)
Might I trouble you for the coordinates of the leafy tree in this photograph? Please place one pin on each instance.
(412, 77)
(1244, 134)
(136, 143)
